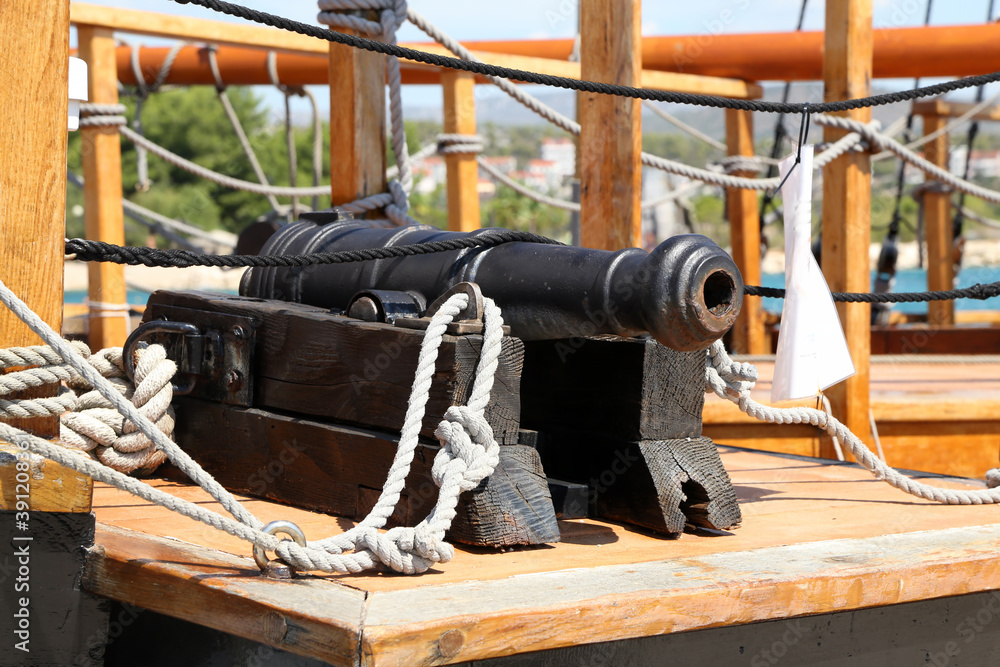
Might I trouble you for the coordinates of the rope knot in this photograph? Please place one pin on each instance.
(468, 448)
(95, 425)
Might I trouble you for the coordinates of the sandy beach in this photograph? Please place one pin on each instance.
(148, 278)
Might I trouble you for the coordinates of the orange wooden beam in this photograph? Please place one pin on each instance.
(240, 66)
(248, 66)
(961, 50)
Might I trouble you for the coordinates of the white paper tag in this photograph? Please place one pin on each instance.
(812, 351)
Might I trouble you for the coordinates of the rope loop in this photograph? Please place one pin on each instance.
(734, 382)
(459, 144)
(102, 115)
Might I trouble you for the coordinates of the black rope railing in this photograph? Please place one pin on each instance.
(98, 251)
(586, 86)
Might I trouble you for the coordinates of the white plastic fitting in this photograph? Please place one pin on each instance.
(77, 90)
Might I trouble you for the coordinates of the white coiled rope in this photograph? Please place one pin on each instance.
(469, 453)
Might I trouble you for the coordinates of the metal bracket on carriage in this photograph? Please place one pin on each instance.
(213, 352)
(407, 310)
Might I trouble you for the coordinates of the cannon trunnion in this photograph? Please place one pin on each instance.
(595, 414)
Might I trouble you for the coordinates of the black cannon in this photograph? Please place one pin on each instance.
(686, 293)
(298, 386)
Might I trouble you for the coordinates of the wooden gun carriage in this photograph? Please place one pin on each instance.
(302, 402)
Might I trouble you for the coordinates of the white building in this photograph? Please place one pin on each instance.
(562, 152)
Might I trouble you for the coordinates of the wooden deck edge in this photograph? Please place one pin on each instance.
(309, 616)
(482, 619)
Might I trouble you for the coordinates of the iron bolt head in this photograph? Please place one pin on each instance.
(234, 380)
(275, 569)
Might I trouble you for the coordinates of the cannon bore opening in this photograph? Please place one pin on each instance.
(719, 293)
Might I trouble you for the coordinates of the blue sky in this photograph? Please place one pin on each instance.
(475, 19)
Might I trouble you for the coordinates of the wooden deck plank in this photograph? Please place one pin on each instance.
(616, 602)
(817, 537)
(308, 616)
(767, 484)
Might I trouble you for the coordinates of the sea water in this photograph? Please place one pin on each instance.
(914, 280)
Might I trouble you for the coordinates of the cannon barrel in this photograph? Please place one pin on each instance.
(686, 292)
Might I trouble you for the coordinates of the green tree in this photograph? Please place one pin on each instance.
(513, 210)
(192, 123)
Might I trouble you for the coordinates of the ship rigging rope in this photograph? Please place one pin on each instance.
(396, 200)
(571, 126)
(734, 381)
(469, 453)
(858, 132)
(234, 120)
(169, 228)
(586, 86)
(215, 177)
(143, 90)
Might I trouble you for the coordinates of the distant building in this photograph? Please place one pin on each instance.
(983, 164)
(546, 174)
(486, 187)
(562, 152)
(429, 173)
(533, 179)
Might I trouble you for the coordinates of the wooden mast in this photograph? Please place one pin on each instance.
(34, 57)
(847, 71)
(102, 173)
(744, 234)
(940, 229)
(611, 135)
(463, 169)
(357, 123)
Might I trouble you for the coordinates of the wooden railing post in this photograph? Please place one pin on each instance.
(34, 60)
(102, 192)
(940, 232)
(34, 56)
(744, 233)
(463, 170)
(611, 136)
(847, 71)
(357, 123)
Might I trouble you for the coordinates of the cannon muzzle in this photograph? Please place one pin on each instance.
(686, 293)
